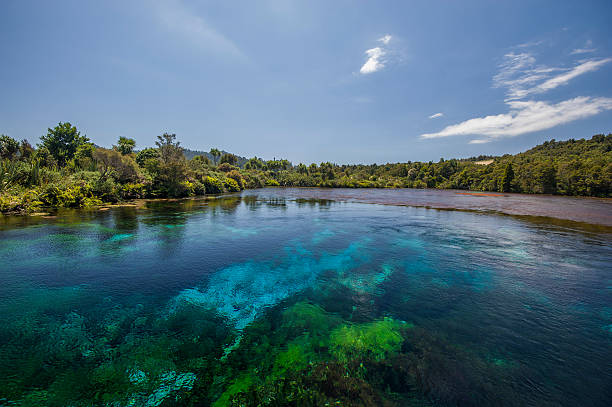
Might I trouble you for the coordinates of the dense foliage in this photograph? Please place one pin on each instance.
(67, 170)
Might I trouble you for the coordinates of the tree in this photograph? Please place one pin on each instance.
(113, 163)
(200, 160)
(171, 175)
(125, 145)
(169, 149)
(254, 164)
(8, 147)
(507, 178)
(215, 153)
(146, 154)
(25, 149)
(84, 155)
(301, 169)
(229, 158)
(62, 142)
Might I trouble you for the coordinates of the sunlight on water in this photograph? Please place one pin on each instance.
(257, 299)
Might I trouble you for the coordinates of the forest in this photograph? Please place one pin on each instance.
(66, 169)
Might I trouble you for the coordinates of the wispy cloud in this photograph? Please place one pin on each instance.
(588, 48)
(436, 115)
(526, 117)
(386, 39)
(176, 17)
(522, 77)
(376, 56)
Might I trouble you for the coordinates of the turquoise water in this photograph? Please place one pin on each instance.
(271, 299)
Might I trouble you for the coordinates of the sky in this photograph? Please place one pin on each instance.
(310, 81)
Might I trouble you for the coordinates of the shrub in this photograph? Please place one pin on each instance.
(133, 191)
(232, 185)
(236, 176)
(212, 185)
(225, 167)
(72, 196)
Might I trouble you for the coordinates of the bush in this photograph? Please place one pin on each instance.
(226, 167)
(212, 185)
(232, 185)
(133, 191)
(236, 176)
(271, 182)
(72, 196)
(199, 188)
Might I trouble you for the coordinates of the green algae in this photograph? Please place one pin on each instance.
(241, 385)
(375, 340)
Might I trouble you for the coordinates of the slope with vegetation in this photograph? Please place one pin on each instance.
(67, 170)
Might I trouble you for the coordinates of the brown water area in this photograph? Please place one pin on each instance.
(582, 210)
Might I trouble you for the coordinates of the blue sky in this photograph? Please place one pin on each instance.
(344, 81)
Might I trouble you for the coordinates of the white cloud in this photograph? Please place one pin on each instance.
(177, 18)
(520, 75)
(386, 39)
(376, 57)
(588, 47)
(374, 62)
(582, 51)
(584, 67)
(527, 117)
(436, 115)
(480, 141)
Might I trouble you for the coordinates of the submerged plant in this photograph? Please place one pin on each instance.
(374, 340)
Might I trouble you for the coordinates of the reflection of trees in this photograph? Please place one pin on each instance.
(251, 202)
(313, 202)
(125, 219)
(227, 204)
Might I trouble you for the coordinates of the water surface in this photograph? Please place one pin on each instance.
(305, 297)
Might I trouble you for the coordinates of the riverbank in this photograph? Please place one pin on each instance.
(586, 213)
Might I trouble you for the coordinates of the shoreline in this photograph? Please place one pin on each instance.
(576, 213)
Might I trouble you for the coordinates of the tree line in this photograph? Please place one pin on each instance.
(67, 170)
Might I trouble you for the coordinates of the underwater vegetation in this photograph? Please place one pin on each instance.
(296, 353)
(192, 303)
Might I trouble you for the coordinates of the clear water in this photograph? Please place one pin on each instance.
(287, 299)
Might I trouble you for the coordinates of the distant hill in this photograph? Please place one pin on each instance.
(189, 154)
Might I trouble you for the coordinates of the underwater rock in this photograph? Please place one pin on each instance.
(137, 376)
(366, 283)
(71, 339)
(172, 384)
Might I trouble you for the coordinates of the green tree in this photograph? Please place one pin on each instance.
(169, 149)
(84, 155)
(125, 145)
(113, 163)
(62, 142)
(171, 177)
(229, 158)
(215, 153)
(25, 149)
(254, 164)
(146, 154)
(507, 179)
(9, 147)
